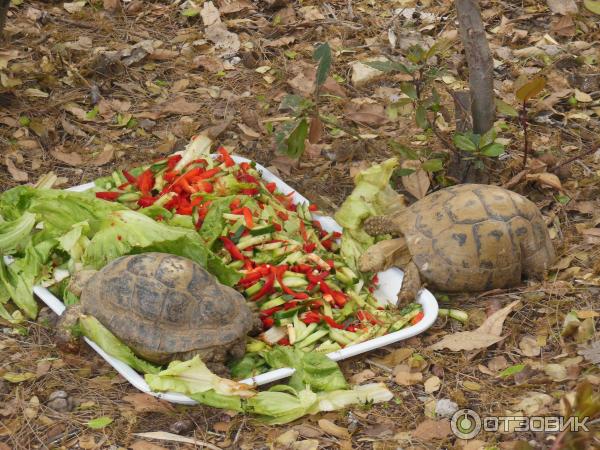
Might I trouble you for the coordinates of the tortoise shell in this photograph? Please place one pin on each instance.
(167, 307)
(474, 237)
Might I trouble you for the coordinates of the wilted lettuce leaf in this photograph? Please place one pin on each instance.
(371, 196)
(94, 330)
(192, 377)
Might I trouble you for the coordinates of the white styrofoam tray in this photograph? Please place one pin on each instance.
(387, 291)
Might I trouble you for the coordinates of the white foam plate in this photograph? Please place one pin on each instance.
(387, 291)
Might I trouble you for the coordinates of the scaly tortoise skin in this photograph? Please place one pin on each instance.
(166, 307)
(469, 237)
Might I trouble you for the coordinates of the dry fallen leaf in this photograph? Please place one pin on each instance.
(145, 445)
(529, 346)
(72, 159)
(335, 430)
(405, 376)
(432, 384)
(545, 180)
(147, 403)
(432, 429)
(371, 114)
(417, 183)
(104, 157)
(181, 106)
(17, 174)
(362, 376)
(487, 334)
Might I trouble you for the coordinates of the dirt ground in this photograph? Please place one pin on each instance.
(86, 87)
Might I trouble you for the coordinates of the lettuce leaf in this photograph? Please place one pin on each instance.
(371, 196)
(94, 330)
(312, 369)
(192, 377)
(14, 234)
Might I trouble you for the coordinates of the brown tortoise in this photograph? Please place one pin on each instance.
(469, 237)
(166, 307)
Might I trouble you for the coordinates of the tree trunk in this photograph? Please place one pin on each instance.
(479, 60)
(3, 8)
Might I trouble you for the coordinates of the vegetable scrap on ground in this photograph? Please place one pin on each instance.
(92, 90)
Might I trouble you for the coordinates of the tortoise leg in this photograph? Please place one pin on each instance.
(64, 336)
(383, 255)
(411, 284)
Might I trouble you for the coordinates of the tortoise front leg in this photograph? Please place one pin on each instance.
(411, 284)
(383, 255)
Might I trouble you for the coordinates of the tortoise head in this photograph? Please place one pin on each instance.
(387, 224)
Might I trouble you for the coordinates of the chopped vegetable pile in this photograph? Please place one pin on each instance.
(292, 271)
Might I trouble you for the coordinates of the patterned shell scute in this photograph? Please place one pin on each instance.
(161, 304)
(473, 237)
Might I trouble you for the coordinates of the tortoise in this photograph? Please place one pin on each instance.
(464, 238)
(164, 307)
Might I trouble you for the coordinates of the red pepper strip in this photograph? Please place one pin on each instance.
(248, 265)
(270, 311)
(313, 207)
(226, 157)
(363, 315)
(205, 175)
(247, 178)
(337, 234)
(310, 317)
(235, 203)
(351, 328)
(340, 298)
(282, 215)
(267, 287)
(284, 341)
(268, 322)
(318, 278)
(129, 177)
(186, 186)
(310, 247)
(108, 195)
(245, 166)
(271, 187)
(203, 186)
(332, 323)
(327, 244)
(316, 304)
(123, 186)
(172, 161)
(290, 305)
(146, 201)
(303, 231)
(145, 181)
(248, 217)
(302, 268)
(415, 320)
(331, 263)
(317, 225)
(279, 275)
(249, 191)
(277, 227)
(232, 249)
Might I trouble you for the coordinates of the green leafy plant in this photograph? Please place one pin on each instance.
(291, 136)
(420, 92)
(479, 146)
(525, 93)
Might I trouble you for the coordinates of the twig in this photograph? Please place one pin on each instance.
(576, 157)
(525, 126)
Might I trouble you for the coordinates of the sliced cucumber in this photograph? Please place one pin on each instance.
(263, 229)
